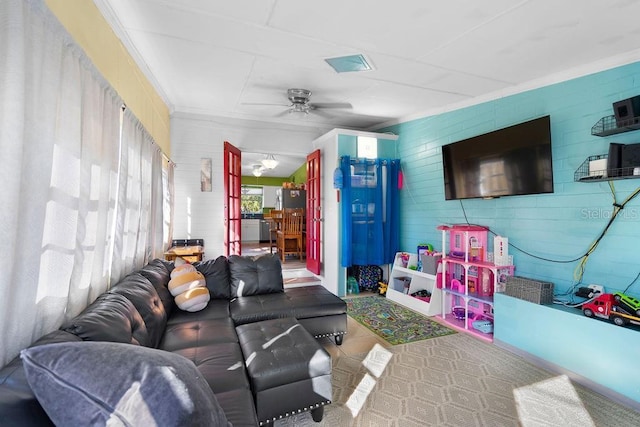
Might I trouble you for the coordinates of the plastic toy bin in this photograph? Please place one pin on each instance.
(402, 283)
(430, 263)
(529, 290)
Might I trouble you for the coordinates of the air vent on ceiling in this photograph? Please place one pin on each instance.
(345, 64)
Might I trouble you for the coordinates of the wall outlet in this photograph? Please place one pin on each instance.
(597, 289)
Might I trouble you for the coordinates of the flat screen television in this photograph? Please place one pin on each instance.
(512, 161)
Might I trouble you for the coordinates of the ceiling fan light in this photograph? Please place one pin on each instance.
(300, 108)
(269, 162)
(257, 170)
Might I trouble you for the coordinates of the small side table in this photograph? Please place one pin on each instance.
(188, 253)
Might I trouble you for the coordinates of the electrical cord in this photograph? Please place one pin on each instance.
(519, 249)
(630, 284)
(582, 258)
(578, 273)
(617, 207)
(571, 304)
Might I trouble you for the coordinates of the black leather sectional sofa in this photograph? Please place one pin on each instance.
(140, 311)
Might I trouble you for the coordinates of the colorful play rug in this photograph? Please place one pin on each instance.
(393, 322)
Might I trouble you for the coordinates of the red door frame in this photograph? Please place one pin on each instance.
(232, 215)
(314, 212)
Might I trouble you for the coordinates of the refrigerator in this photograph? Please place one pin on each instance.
(290, 199)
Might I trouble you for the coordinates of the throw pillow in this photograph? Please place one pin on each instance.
(181, 269)
(255, 275)
(190, 291)
(193, 299)
(216, 273)
(186, 281)
(100, 383)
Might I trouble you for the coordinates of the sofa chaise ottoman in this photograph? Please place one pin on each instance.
(139, 311)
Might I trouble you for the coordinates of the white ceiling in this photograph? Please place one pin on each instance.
(214, 57)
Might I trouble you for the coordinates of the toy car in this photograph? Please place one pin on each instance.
(458, 312)
(627, 303)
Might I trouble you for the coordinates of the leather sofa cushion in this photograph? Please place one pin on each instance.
(221, 365)
(239, 408)
(158, 272)
(261, 307)
(18, 404)
(111, 317)
(216, 309)
(198, 333)
(315, 301)
(139, 290)
(216, 274)
(301, 303)
(255, 275)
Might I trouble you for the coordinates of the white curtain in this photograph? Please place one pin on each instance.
(138, 232)
(58, 139)
(168, 202)
(81, 182)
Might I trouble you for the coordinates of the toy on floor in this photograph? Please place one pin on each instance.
(352, 285)
(382, 288)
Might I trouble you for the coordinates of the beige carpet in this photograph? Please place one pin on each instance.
(455, 381)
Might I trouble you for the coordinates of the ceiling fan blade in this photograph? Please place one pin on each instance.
(265, 103)
(316, 105)
(322, 113)
(283, 113)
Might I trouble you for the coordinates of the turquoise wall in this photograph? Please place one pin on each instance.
(595, 349)
(559, 226)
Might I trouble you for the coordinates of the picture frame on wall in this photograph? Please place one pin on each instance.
(205, 174)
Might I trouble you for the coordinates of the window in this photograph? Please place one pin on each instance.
(367, 147)
(251, 199)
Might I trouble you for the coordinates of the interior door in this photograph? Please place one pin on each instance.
(314, 212)
(232, 194)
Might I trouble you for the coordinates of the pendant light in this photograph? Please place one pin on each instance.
(269, 162)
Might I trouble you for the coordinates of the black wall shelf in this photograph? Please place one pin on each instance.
(583, 174)
(609, 126)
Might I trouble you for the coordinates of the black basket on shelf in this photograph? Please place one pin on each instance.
(609, 125)
(584, 172)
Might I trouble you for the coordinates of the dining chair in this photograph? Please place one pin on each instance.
(289, 237)
(275, 224)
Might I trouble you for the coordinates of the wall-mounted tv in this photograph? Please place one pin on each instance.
(507, 162)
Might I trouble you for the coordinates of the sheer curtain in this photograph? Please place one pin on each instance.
(82, 182)
(138, 225)
(168, 202)
(58, 140)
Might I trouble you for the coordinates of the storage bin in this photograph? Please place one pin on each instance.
(402, 283)
(430, 263)
(529, 290)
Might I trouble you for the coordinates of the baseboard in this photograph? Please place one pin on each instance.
(577, 378)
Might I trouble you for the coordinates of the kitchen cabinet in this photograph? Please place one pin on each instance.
(250, 230)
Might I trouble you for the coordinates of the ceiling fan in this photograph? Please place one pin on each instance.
(300, 103)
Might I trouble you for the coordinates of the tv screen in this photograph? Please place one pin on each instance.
(512, 161)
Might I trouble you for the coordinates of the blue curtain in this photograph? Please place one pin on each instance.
(370, 211)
